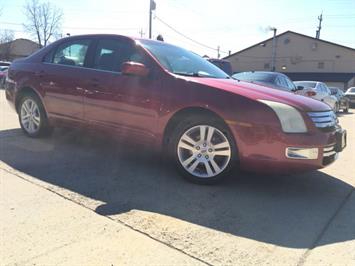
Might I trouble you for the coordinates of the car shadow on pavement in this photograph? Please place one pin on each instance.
(344, 114)
(288, 211)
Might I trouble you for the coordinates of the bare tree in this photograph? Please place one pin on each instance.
(44, 21)
(6, 38)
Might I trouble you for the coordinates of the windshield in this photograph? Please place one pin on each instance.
(306, 84)
(182, 62)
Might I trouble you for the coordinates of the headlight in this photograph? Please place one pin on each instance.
(291, 120)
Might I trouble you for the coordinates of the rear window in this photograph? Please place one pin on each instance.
(352, 90)
(334, 90)
(306, 84)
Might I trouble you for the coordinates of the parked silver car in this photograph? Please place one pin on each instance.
(350, 93)
(321, 92)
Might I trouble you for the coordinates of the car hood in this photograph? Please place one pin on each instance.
(259, 92)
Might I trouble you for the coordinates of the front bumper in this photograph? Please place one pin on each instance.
(266, 150)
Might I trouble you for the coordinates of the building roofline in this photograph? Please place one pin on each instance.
(289, 31)
(19, 39)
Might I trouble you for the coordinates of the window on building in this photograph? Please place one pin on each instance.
(320, 65)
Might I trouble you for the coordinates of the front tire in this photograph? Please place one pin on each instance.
(32, 117)
(203, 149)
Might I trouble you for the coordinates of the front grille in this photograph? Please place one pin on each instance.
(329, 154)
(324, 120)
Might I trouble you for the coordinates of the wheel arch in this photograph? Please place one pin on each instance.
(183, 113)
(25, 91)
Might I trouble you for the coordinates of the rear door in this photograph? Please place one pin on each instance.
(64, 79)
(319, 92)
(328, 97)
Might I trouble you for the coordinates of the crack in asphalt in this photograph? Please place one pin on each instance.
(305, 255)
(18, 174)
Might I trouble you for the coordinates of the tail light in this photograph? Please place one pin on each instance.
(311, 93)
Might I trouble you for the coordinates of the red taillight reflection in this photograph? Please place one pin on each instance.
(311, 93)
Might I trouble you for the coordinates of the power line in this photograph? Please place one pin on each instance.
(75, 28)
(187, 37)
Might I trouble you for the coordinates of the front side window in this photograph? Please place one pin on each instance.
(182, 62)
(71, 53)
(112, 53)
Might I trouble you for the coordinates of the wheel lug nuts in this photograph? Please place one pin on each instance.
(206, 157)
(204, 144)
(199, 155)
(198, 148)
(209, 150)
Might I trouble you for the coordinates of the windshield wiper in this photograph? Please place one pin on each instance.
(199, 74)
(188, 74)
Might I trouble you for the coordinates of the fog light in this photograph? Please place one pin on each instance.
(302, 153)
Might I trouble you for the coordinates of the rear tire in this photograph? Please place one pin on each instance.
(346, 109)
(203, 149)
(32, 117)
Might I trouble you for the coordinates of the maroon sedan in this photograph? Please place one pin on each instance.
(156, 93)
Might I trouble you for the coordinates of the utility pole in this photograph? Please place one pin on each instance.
(273, 56)
(152, 7)
(320, 18)
(218, 54)
(141, 32)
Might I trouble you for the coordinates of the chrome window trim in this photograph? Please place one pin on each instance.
(80, 67)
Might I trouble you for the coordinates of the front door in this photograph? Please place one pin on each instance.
(126, 104)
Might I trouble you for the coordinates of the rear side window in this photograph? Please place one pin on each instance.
(112, 53)
(71, 53)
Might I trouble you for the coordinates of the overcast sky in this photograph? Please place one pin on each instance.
(230, 24)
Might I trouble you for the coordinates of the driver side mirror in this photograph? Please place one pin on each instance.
(134, 69)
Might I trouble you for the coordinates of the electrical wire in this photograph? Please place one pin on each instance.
(187, 37)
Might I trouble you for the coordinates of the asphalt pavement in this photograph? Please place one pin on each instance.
(77, 183)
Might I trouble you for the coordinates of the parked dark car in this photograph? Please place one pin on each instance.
(222, 64)
(274, 80)
(343, 102)
(151, 92)
(3, 72)
(5, 63)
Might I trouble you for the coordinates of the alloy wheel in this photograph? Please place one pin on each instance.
(30, 116)
(204, 151)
